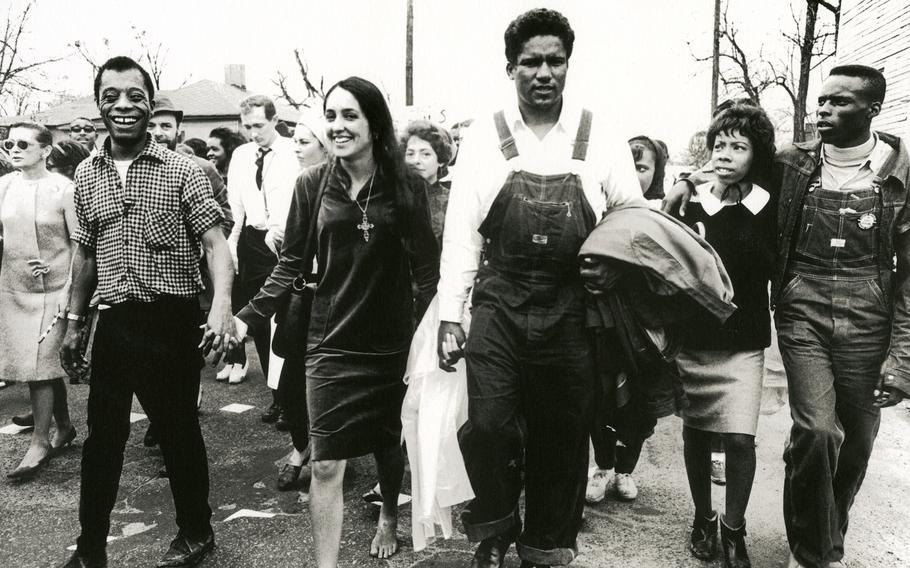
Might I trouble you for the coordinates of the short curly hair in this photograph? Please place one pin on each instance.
(438, 137)
(537, 22)
(753, 123)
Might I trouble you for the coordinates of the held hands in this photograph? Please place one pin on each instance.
(886, 396)
(451, 340)
(220, 335)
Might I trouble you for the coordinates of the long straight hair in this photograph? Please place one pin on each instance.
(386, 151)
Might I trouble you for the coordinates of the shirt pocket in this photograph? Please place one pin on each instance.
(161, 229)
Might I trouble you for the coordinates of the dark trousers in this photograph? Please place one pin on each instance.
(292, 398)
(530, 381)
(255, 263)
(610, 452)
(833, 337)
(149, 349)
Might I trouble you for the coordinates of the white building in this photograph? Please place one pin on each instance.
(877, 33)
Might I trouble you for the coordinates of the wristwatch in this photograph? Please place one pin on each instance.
(75, 317)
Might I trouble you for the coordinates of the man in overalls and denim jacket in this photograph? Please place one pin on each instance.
(841, 291)
(842, 297)
(532, 181)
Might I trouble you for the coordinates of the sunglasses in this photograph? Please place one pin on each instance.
(21, 144)
(78, 129)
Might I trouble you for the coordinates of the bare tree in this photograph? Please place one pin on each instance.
(739, 73)
(814, 45)
(312, 91)
(17, 74)
(697, 153)
(808, 47)
(152, 54)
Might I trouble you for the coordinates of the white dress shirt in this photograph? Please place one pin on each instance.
(607, 174)
(267, 209)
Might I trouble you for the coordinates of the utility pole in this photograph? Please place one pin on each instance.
(409, 58)
(715, 60)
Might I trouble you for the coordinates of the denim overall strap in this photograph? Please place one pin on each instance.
(506, 140)
(580, 147)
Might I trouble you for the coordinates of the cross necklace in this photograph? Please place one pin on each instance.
(365, 224)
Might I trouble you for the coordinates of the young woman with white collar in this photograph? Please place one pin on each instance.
(721, 364)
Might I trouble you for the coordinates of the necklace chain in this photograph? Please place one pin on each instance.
(365, 224)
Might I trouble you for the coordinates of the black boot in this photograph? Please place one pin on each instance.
(491, 552)
(703, 542)
(734, 542)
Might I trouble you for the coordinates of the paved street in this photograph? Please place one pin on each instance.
(38, 519)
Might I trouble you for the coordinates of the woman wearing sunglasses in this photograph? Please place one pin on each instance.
(37, 216)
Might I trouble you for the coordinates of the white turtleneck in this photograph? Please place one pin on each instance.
(847, 169)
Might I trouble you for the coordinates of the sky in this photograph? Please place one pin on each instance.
(632, 63)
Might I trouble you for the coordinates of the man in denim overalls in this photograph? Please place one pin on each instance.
(841, 308)
(531, 182)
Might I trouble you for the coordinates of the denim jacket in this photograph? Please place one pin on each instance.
(794, 168)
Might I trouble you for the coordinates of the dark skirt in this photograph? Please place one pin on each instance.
(354, 416)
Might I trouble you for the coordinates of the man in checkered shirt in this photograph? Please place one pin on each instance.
(143, 213)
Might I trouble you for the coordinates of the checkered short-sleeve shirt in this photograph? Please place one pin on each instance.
(146, 234)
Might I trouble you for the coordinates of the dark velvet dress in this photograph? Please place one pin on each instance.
(362, 319)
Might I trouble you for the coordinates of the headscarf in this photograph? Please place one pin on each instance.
(312, 120)
(661, 155)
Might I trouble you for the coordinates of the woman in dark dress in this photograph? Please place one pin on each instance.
(721, 365)
(428, 151)
(373, 237)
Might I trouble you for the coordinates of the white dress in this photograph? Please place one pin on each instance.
(36, 220)
(434, 408)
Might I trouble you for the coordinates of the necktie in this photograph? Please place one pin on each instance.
(260, 160)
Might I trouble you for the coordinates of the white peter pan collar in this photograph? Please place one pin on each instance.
(754, 202)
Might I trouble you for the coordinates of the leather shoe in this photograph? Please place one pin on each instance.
(734, 543)
(491, 552)
(66, 442)
(287, 477)
(26, 420)
(30, 471)
(186, 552)
(703, 541)
(79, 560)
(272, 413)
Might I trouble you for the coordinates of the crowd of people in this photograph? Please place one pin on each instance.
(585, 302)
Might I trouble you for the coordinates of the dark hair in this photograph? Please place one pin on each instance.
(85, 118)
(537, 22)
(66, 155)
(753, 123)
(386, 151)
(262, 101)
(437, 136)
(873, 78)
(638, 145)
(5, 165)
(198, 145)
(230, 140)
(122, 63)
(42, 135)
(283, 129)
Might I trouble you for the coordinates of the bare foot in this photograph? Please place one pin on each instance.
(385, 543)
